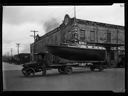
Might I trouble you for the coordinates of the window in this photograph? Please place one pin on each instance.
(82, 35)
(92, 35)
(108, 37)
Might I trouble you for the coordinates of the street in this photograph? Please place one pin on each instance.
(81, 79)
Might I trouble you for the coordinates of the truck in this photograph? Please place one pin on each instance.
(65, 58)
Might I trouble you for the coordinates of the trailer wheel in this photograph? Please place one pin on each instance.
(61, 70)
(68, 70)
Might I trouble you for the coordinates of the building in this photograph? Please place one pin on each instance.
(74, 30)
(21, 58)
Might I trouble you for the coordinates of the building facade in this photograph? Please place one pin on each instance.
(77, 31)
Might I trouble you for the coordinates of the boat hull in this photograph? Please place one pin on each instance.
(77, 54)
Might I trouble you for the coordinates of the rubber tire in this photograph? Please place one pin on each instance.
(27, 71)
(32, 71)
(61, 70)
(68, 70)
(24, 72)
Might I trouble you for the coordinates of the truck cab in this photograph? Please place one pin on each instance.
(32, 67)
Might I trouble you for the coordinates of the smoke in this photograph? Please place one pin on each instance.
(51, 24)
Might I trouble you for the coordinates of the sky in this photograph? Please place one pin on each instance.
(19, 21)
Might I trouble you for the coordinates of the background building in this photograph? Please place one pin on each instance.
(21, 58)
(79, 31)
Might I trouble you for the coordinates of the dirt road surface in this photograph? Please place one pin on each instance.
(81, 79)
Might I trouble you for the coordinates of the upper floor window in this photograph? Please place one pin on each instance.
(92, 35)
(108, 37)
(82, 35)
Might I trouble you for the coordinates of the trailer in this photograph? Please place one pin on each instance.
(48, 60)
(65, 58)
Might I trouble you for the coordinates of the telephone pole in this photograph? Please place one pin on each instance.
(11, 56)
(75, 11)
(11, 52)
(18, 44)
(33, 51)
(34, 34)
(75, 15)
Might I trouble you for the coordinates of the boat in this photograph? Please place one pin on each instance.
(77, 53)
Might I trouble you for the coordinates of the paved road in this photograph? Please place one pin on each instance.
(80, 79)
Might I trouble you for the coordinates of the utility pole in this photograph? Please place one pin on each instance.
(18, 44)
(74, 11)
(11, 52)
(33, 51)
(34, 34)
(74, 15)
(11, 55)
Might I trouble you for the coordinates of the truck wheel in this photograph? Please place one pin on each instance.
(32, 71)
(68, 70)
(61, 70)
(28, 72)
(25, 72)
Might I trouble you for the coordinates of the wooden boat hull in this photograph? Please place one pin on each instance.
(77, 54)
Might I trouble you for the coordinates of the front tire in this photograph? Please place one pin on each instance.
(25, 73)
(28, 71)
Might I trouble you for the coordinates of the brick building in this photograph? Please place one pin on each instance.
(79, 31)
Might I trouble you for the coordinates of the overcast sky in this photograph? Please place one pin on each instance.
(18, 21)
